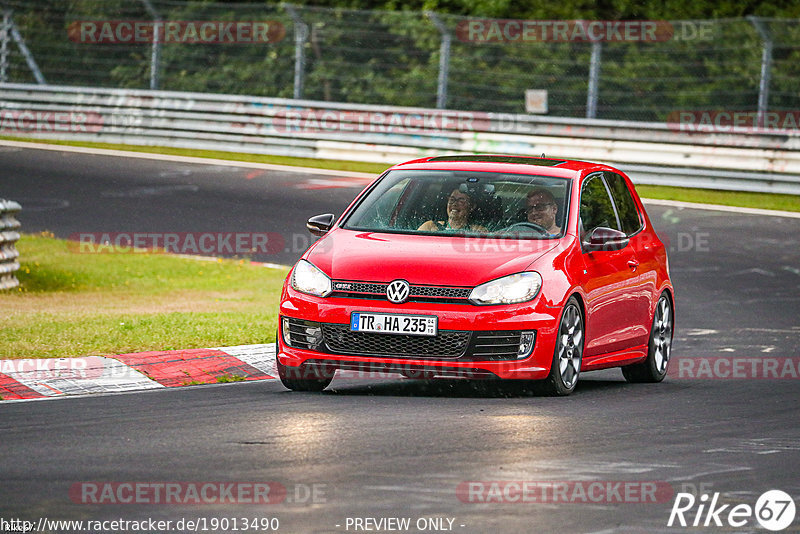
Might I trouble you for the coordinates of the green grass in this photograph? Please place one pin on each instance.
(768, 201)
(225, 379)
(71, 304)
(706, 196)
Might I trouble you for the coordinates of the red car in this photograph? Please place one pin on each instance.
(482, 266)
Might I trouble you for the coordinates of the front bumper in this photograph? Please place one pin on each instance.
(341, 349)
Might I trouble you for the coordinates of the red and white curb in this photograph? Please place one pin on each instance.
(53, 377)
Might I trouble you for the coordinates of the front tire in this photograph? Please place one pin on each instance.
(303, 378)
(568, 353)
(654, 368)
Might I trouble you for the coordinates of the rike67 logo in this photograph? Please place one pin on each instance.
(774, 510)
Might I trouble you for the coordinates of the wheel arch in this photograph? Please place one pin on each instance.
(671, 296)
(581, 303)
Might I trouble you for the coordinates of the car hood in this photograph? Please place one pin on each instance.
(426, 260)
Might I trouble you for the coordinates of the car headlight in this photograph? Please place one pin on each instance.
(508, 290)
(307, 278)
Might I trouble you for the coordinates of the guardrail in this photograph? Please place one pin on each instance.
(8, 236)
(651, 153)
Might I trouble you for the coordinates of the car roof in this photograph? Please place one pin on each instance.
(562, 168)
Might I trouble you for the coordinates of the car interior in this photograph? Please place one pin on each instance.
(500, 202)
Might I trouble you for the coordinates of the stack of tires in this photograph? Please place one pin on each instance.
(9, 235)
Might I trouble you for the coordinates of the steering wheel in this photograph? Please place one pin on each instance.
(516, 227)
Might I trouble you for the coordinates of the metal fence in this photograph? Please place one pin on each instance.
(651, 153)
(9, 235)
(409, 58)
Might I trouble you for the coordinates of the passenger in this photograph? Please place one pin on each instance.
(542, 209)
(460, 206)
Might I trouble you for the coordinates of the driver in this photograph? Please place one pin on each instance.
(460, 206)
(542, 209)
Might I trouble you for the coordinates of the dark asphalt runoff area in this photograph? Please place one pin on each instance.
(447, 455)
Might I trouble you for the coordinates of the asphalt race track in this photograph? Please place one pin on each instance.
(446, 455)
(70, 193)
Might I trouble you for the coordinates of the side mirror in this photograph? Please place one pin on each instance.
(603, 238)
(319, 225)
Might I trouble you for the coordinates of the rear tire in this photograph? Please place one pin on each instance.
(654, 368)
(568, 354)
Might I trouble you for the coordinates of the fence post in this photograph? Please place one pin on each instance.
(300, 37)
(11, 27)
(593, 92)
(444, 60)
(155, 52)
(5, 30)
(766, 68)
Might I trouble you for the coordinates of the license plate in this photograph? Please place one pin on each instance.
(390, 323)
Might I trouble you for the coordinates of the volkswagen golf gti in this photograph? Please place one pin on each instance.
(483, 266)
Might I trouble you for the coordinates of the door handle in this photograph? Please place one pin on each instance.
(633, 264)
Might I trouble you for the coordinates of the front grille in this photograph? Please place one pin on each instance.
(448, 344)
(359, 287)
(377, 290)
(462, 345)
(440, 292)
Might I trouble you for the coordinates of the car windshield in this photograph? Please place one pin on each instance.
(464, 203)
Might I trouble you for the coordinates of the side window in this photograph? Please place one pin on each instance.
(626, 207)
(596, 207)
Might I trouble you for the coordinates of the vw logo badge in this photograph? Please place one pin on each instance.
(397, 292)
